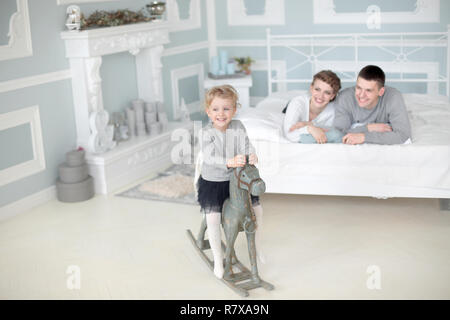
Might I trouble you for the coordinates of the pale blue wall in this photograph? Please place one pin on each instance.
(47, 21)
(54, 100)
(10, 139)
(118, 73)
(8, 8)
(385, 5)
(176, 62)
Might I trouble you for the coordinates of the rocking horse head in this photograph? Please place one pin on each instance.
(248, 178)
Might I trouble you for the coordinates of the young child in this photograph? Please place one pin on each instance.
(224, 146)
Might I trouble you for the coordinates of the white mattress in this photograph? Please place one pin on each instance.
(423, 164)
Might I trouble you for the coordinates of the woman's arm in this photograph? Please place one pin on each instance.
(300, 125)
(296, 115)
(317, 133)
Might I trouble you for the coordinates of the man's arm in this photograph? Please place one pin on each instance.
(343, 118)
(398, 120)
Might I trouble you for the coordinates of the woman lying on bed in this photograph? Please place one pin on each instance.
(309, 117)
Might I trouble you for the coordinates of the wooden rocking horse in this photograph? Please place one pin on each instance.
(237, 216)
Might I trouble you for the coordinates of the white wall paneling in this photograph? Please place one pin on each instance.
(13, 119)
(425, 11)
(43, 78)
(194, 21)
(19, 44)
(273, 13)
(279, 66)
(212, 32)
(176, 75)
(185, 48)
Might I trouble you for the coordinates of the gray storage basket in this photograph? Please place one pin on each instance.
(68, 174)
(444, 204)
(75, 192)
(74, 183)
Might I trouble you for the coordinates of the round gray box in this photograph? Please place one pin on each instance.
(69, 174)
(75, 192)
(75, 158)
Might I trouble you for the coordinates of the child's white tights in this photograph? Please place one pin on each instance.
(215, 241)
(213, 220)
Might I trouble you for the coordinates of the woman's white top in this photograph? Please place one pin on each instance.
(298, 110)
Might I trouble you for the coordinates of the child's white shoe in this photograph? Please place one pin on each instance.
(218, 270)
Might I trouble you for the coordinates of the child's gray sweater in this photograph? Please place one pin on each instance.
(218, 147)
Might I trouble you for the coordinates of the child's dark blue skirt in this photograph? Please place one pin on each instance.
(212, 195)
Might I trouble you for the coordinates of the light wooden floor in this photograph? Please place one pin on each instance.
(316, 248)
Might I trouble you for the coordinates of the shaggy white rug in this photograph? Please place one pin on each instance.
(173, 185)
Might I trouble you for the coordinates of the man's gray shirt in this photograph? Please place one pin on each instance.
(390, 109)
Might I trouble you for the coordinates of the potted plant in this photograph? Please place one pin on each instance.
(244, 63)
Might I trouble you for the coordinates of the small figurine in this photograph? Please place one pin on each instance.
(120, 129)
(123, 129)
(102, 134)
(185, 117)
(73, 20)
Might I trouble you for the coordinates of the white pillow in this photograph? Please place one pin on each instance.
(278, 100)
(263, 124)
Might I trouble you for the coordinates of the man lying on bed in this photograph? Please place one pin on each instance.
(371, 112)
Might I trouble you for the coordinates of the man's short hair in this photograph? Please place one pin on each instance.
(373, 73)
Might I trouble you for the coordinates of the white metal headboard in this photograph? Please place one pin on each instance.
(405, 44)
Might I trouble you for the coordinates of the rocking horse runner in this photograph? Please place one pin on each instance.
(227, 173)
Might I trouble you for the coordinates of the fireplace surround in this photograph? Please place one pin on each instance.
(138, 156)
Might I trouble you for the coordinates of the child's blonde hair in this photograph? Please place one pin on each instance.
(225, 92)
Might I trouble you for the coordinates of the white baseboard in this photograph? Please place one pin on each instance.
(27, 203)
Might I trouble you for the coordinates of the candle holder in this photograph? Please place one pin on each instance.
(156, 9)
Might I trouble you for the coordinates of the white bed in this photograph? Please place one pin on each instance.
(420, 169)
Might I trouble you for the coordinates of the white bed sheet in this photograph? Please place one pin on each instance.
(423, 164)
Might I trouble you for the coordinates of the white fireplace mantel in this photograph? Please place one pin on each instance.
(85, 49)
(102, 41)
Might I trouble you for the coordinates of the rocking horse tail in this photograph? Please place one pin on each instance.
(198, 170)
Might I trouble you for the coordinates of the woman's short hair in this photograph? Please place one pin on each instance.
(330, 78)
(225, 92)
